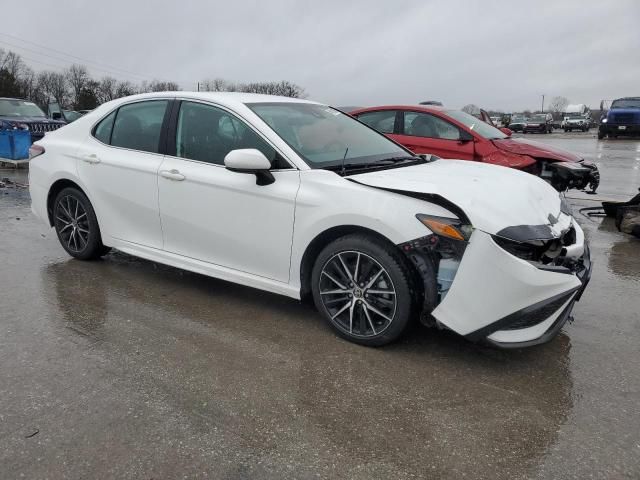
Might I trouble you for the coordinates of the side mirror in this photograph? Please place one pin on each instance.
(56, 115)
(465, 136)
(250, 160)
(507, 131)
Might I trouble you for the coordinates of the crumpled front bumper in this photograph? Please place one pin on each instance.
(510, 302)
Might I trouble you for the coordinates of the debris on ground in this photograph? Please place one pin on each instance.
(7, 182)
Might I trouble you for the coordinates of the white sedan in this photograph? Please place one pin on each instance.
(297, 198)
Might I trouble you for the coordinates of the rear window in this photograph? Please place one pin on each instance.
(136, 126)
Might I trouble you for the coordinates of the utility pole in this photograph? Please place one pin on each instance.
(543, 103)
(198, 86)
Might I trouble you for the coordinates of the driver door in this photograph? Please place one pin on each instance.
(425, 133)
(218, 216)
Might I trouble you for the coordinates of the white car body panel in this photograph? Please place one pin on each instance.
(124, 186)
(210, 220)
(232, 222)
(492, 286)
(493, 197)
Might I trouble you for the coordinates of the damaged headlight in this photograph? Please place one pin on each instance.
(549, 251)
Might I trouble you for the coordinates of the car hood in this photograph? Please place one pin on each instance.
(492, 197)
(31, 120)
(535, 149)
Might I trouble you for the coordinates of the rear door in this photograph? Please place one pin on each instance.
(423, 132)
(119, 165)
(384, 121)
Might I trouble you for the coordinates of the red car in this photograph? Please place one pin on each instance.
(455, 134)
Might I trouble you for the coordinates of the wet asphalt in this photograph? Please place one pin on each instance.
(123, 368)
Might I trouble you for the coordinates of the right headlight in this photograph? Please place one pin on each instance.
(446, 227)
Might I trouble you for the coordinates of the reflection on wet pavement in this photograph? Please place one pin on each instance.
(131, 369)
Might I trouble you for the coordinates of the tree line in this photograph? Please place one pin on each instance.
(74, 88)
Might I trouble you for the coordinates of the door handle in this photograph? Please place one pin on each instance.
(172, 175)
(91, 158)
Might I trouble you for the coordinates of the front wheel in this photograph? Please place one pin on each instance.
(77, 226)
(363, 289)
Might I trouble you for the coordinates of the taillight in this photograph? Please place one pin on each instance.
(35, 150)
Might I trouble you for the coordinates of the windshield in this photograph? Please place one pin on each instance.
(323, 136)
(517, 119)
(538, 118)
(19, 108)
(574, 115)
(478, 126)
(626, 103)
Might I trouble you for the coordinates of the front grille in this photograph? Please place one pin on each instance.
(622, 117)
(42, 128)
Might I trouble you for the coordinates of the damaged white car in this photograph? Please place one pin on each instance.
(296, 198)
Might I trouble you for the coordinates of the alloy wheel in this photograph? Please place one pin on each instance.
(358, 294)
(72, 223)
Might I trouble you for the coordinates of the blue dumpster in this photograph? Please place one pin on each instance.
(14, 144)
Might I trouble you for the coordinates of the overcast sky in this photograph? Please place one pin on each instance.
(496, 54)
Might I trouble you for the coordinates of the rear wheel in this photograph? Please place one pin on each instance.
(77, 226)
(363, 289)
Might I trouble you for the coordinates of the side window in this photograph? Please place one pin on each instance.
(426, 125)
(383, 121)
(138, 125)
(103, 130)
(208, 133)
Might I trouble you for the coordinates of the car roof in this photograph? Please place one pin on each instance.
(230, 99)
(420, 108)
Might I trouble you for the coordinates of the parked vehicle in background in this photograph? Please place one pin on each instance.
(458, 135)
(623, 118)
(382, 237)
(496, 121)
(517, 123)
(70, 115)
(577, 117)
(56, 112)
(22, 114)
(539, 123)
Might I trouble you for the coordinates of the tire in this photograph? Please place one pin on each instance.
(600, 135)
(359, 311)
(73, 212)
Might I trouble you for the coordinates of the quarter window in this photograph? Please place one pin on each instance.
(383, 121)
(426, 125)
(137, 126)
(208, 133)
(103, 130)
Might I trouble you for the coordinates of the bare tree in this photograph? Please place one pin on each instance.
(77, 78)
(558, 104)
(217, 85)
(471, 109)
(158, 86)
(124, 89)
(107, 89)
(54, 85)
